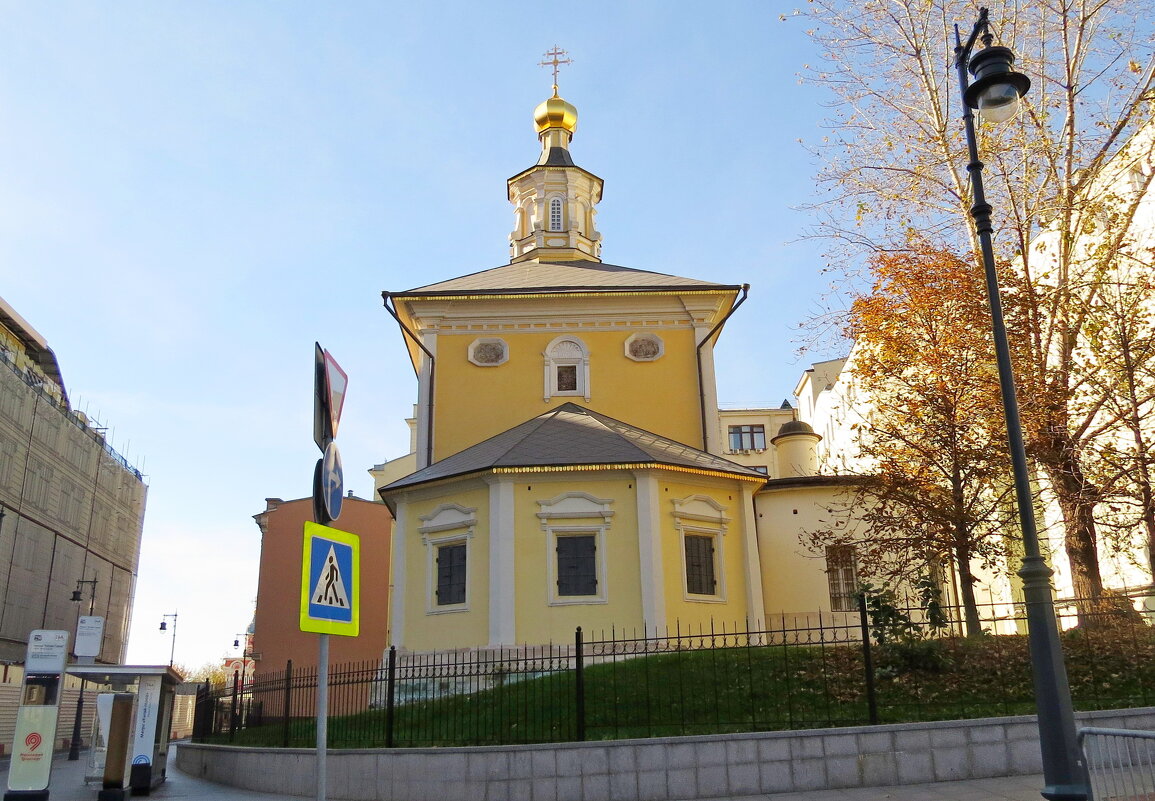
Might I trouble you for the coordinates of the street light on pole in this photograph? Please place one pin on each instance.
(242, 641)
(77, 597)
(164, 627)
(996, 93)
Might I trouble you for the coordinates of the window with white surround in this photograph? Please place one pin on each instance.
(555, 214)
(575, 524)
(567, 368)
(447, 533)
(577, 564)
(644, 347)
(701, 570)
(702, 524)
(450, 574)
(488, 352)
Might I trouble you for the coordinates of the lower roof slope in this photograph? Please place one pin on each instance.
(572, 436)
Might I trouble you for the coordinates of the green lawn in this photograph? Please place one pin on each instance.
(755, 689)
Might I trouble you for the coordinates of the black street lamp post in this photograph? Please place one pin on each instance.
(995, 93)
(77, 597)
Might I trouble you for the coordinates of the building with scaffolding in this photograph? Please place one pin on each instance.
(71, 507)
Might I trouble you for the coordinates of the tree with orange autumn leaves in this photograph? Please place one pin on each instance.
(1068, 178)
(937, 491)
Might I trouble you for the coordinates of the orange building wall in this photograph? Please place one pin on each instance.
(276, 633)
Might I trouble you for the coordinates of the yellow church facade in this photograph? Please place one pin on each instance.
(570, 465)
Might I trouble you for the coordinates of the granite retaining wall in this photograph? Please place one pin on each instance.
(659, 769)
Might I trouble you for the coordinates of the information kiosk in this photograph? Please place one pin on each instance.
(131, 727)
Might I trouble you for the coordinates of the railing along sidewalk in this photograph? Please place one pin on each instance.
(1121, 763)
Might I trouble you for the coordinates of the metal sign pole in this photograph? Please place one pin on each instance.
(322, 713)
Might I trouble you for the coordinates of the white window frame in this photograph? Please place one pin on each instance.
(558, 205)
(632, 338)
(448, 524)
(569, 514)
(580, 362)
(488, 341)
(702, 516)
(554, 533)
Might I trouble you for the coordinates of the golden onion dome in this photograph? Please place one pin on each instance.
(555, 113)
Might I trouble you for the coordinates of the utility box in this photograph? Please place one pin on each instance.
(131, 727)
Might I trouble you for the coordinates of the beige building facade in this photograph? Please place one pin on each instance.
(71, 507)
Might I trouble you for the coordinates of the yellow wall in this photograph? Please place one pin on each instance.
(697, 614)
(537, 620)
(459, 629)
(794, 579)
(474, 403)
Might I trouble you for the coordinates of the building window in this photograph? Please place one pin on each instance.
(702, 522)
(566, 368)
(747, 437)
(763, 469)
(576, 526)
(700, 572)
(37, 484)
(644, 347)
(842, 576)
(446, 533)
(555, 214)
(450, 574)
(488, 352)
(577, 566)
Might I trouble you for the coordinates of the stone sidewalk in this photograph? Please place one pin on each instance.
(68, 785)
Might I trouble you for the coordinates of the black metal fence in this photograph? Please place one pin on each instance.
(821, 670)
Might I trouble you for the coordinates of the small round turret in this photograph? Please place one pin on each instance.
(796, 444)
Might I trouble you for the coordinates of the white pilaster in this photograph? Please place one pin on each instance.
(397, 578)
(652, 577)
(425, 399)
(755, 601)
(502, 570)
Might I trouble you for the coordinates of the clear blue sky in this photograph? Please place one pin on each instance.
(192, 193)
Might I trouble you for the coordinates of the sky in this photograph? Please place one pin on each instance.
(192, 193)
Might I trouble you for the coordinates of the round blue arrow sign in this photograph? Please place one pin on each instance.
(332, 481)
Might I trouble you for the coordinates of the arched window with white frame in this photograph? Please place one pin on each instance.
(567, 368)
(555, 214)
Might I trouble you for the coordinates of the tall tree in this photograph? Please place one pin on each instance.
(895, 161)
(921, 360)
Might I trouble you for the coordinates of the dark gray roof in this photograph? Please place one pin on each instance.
(794, 427)
(534, 276)
(557, 157)
(571, 435)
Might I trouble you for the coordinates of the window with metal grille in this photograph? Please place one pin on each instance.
(451, 574)
(555, 214)
(842, 576)
(577, 572)
(747, 437)
(700, 565)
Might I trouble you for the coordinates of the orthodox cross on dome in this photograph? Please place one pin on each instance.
(556, 59)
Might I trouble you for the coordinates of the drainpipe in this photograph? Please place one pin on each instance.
(432, 371)
(698, 355)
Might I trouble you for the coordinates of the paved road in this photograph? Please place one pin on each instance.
(68, 785)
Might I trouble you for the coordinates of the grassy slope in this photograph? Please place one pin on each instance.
(757, 689)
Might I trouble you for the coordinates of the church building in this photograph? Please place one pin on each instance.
(571, 464)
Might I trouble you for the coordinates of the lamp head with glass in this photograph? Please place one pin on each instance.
(997, 87)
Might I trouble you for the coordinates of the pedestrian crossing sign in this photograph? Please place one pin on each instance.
(330, 581)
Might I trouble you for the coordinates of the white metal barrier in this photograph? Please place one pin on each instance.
(1121, 763)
